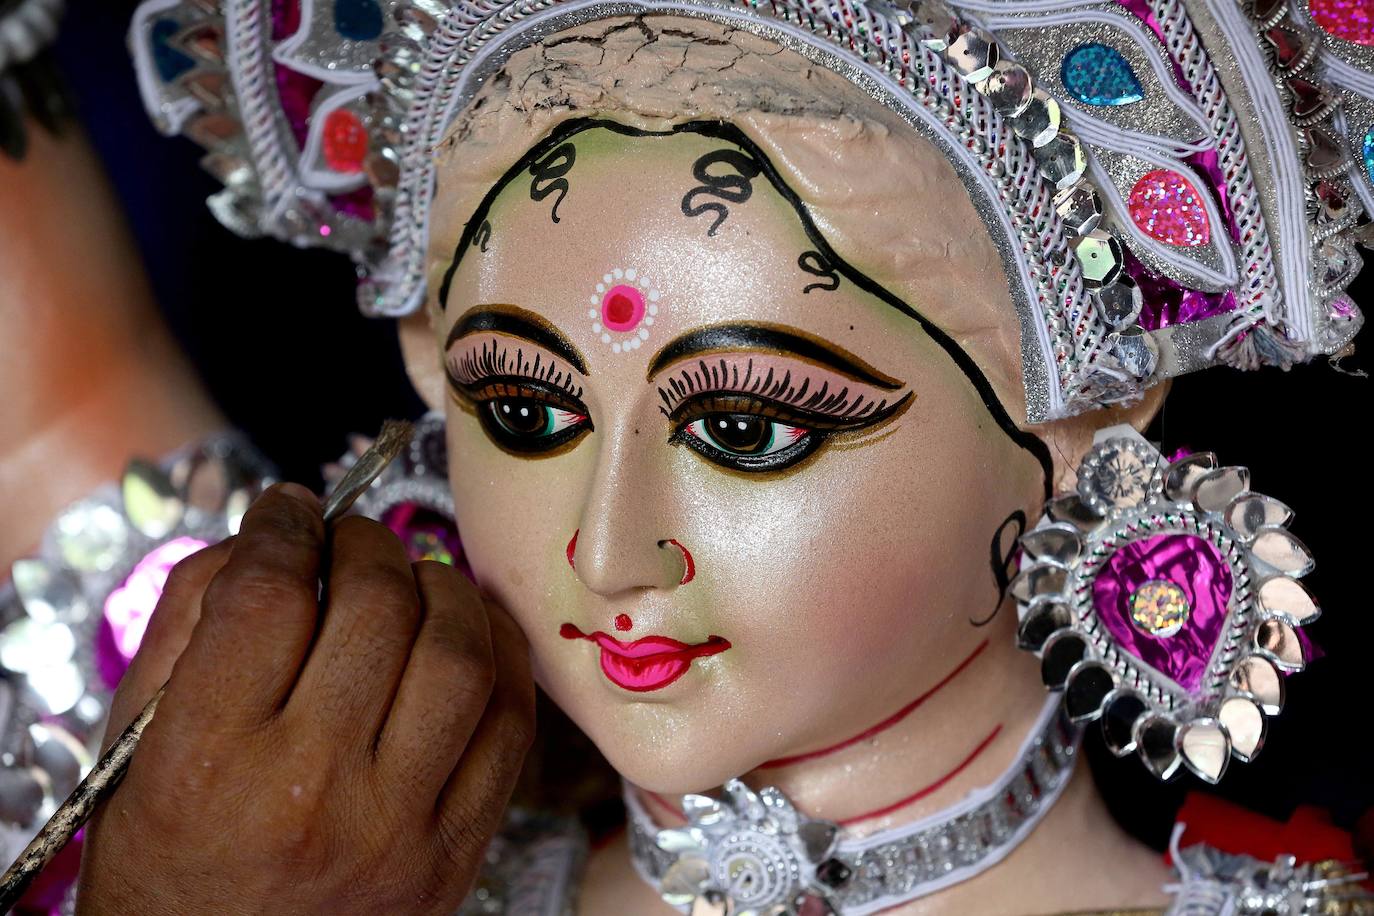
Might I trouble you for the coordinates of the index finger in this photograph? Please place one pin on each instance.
(258, 615)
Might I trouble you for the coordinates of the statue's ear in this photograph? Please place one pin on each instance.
(423, 357)
(1069, 440)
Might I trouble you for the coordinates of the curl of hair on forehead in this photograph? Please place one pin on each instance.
(748, 160)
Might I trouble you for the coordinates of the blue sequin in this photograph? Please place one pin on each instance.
(359, 20)
(1098, 74)
(170, 62)
(1368, 153)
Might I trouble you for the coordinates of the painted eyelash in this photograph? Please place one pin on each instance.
(476, 366)
(725, 378)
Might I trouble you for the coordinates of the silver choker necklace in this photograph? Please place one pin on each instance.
(753, 854)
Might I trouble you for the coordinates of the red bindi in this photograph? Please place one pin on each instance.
(623, 623)
(619, 308)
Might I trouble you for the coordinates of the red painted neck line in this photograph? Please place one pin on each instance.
(675, 813)
(572, 548)
(927, 790)
(882, 726)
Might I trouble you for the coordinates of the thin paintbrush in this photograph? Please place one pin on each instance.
(110, 769)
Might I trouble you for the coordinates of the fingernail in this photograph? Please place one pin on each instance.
(299, 493)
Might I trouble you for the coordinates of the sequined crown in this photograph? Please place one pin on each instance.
(1183, 184)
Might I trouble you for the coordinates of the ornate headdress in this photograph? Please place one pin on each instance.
(1173, 184)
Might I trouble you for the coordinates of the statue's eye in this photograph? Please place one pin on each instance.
(530, 425)
(746, 434)
(747, 440)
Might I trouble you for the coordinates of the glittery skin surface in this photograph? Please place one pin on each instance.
(783, 560)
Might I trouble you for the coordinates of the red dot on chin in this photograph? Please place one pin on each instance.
(623, 623)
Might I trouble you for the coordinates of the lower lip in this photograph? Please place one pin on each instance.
(647, 664)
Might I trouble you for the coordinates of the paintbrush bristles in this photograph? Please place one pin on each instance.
(395, 435)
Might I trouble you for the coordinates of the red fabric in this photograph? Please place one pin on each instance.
(1308, 834)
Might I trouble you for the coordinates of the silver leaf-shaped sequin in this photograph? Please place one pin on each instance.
(21, 795)
(1216, 489)
(1205, 749)
(676, 841)
(1087, 687)
(1290, 599)
(1245, 724)
(1071, 510)
(60, 686)
(1258, 677)
(28, 645)
(818, 839)
(1056, 543)
(1157, 745)
(150, 501)
(1042, 621)
(684, 880)
(1279, 549)
(49, 594)
(1253, 511)
(1182, 477)
(701, 809)
(1279, 641)
(780, 808)
(57, 752)
(1119, 720)
(91, 537)
(204, 480)
(1061, 653)
(1035, 581)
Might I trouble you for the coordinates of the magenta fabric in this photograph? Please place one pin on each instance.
(297, 91)
(286, 18)
(1207, 167)
(1169, 303)
(1195, 566)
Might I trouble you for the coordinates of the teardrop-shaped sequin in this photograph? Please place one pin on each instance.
(359, 20)
(344, 142)
(1348, 20)
(170, 61)
(1166, 207)
(1097, 74)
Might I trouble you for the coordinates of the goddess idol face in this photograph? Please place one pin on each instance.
(739, 497)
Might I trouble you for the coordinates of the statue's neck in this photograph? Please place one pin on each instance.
(962, 728)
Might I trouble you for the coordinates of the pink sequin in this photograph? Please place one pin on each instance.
(1349, 20)
(1167, 207)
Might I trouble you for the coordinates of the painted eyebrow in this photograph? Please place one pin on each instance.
(788, 341)
(516, 322)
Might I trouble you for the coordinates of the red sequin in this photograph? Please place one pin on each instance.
(344, 141)
(1167, 207)
(1349, 20)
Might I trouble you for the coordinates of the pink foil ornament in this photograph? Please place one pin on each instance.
(1167, 208)
(1348, 20)
(129, 607)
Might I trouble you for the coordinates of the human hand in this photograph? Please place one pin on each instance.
(351, 753)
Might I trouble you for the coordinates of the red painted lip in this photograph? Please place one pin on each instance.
(649, 663)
